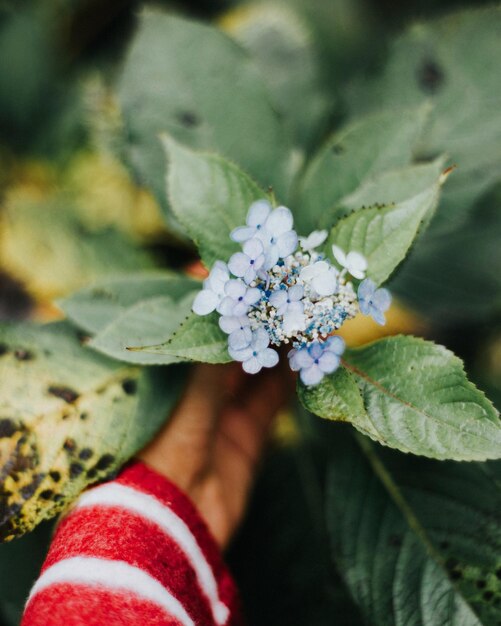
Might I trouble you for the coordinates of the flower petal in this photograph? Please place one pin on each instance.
(252, 365)
(328, 362)
(326, 283)
(336, 345)
(252, 295)
(268, 357)
(366, 289)
(260, 339)
(253, 248)
(258, 212)
(299, 359)
(339, 255)
(293, 321)
(296, 292)
(315, 350)
(242, 233)
(279, 221)
(287, 243)
(278, 298)
(205, 302)
(240, 355)
(311, 375)
(226, 306)
(240, 339)
(235, 288)
(377, 315)
(382, 299)
(356, 261)
(238, 263)
(229, 323)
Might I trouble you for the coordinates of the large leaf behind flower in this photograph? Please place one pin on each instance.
(68, 417)
(191, 81)
(94, 307)
(415, 397)
(355, 154)
(384, 234)
(210, 196)
(418, 542)
(450, 62)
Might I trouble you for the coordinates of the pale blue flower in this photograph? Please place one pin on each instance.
(238, 329)
(278, 238)
(314, 361)
(314, 239)
(257, 355)
(256, 220)
(238, 298)
(211, 295)
(354, 262)
(246, 264)
(373, 301)
(321, 276)
(288, 303)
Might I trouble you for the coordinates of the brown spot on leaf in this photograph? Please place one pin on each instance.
(23, 355)
(188, 119)
(55, 475)
(69, 445)
(7, 427)
(129, 385)
(85, 454)
(75, 469)
(430, 76)
(65, 393)
(104, 462)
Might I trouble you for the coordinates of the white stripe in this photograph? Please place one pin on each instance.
(148, 507)
(115, 575)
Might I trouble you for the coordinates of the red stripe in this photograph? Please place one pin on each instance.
(117, 534)
(75, 605)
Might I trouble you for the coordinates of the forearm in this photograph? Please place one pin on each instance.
(133, 551)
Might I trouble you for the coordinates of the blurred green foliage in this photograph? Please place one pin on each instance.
(69, 215)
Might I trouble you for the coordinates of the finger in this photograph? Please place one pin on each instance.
(247, 422)
(183, 448)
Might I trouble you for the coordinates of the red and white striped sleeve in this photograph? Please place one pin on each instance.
(133, 551)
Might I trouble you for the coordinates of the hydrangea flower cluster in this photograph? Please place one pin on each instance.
(279, 290)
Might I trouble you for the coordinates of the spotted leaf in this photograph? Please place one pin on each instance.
(68, 417)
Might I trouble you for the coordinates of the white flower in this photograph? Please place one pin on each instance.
(246, 264)
(354, 262)
(277, 236)
(321, 276)
(257, 355)
(256, 221)
(211, 295)
(314, 239)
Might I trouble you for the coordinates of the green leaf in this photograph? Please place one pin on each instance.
(450, 62)
(298, 586)
(197, 339)
(353, 154)
(392, 186)
(282, 45)
(20, 565)
(149, 322)
(417, 541)
(47, 245)
(68, 417)
(384, 234)
(210, 197)
(95, 307)
(449, 287)
(209, 97)
(419, 400)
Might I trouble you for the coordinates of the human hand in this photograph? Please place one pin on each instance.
(211, 446)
